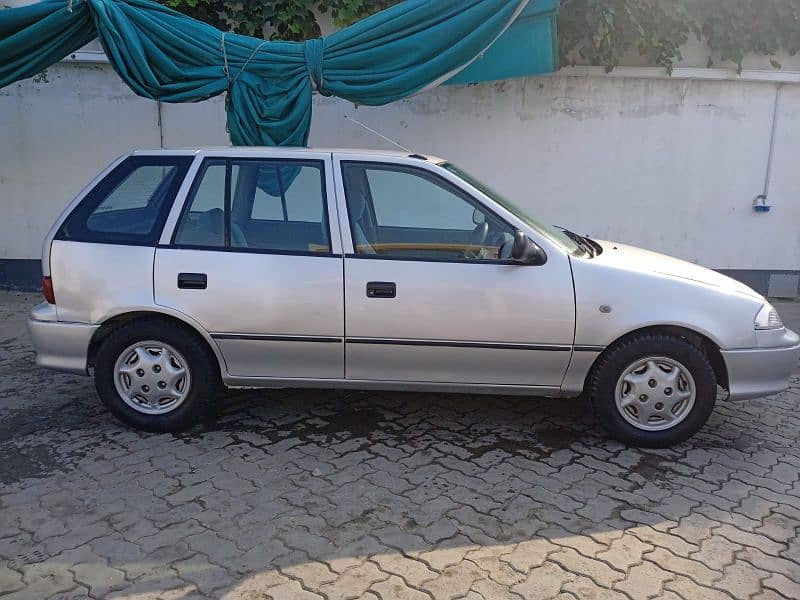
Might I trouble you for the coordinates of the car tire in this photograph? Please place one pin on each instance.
(628, 388)
(159, 342)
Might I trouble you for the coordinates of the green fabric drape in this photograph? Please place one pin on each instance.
(164, 55)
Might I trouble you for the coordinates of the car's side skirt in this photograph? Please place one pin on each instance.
(408, 386)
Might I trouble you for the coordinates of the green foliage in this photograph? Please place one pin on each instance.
(603, 32)
(598, 32)
(284, 19)
(345, 12)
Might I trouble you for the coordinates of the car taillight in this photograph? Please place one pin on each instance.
(47, 290)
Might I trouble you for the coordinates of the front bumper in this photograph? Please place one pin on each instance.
(763, 371)
(59, 346)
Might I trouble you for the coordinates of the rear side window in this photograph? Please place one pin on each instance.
(255, 205)
(130, 205)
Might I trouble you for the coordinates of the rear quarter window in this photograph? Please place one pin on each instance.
(130, 204)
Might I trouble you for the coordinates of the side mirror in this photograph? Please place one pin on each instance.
(527, 252)
(478, 217)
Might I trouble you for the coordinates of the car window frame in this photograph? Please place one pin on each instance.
(108, 182)
(437, 179)
(198, 174)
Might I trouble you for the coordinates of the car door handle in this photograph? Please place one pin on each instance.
(192, 281)
(381, 289)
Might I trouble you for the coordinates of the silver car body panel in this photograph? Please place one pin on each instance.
(761, 371)
(59, 346)
(625, 289)
(271, 314)
(403, 386)
(456, 322)
(93, 282)
(253, 299)
(48, 240)
(296, 321)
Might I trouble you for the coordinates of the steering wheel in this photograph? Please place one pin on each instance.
(476, 241)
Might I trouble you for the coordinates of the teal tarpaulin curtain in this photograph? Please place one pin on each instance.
(164, 55)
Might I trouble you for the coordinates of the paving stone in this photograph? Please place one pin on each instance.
(44, 580)
(396, 588)
(778, 527)
(644, 581)
(99, 578)
(353, 582)
(596, 570)
(378, 495)
(413, 571)
(10, 580)
(581, 543)
(783, 585)
(583, 588)
(746, 538)
(741, 580)
(530, 554)
(291, 590)
(770, 595)
(454, 581)
(255, 586)
(716, 552)
(624, 552)
(205, 576)
(673, 543)
(449, 553)
(693, 569)
(689, 590)
(494, 590)
(543, 582)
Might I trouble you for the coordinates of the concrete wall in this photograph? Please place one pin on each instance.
(670, 164)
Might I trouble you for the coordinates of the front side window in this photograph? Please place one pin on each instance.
(551, 233)
(403, 212)
(260, 205)
(130, 204)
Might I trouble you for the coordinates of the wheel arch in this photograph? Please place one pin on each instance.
(705, 343)
(113, 322)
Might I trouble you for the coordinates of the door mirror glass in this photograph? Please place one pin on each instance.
(527, 252)
(478, 217)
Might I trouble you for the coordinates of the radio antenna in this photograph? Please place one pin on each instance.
(380, 135)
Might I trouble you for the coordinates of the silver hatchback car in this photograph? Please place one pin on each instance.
(175, 272)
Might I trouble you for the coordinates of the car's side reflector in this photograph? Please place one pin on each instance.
(47, 290)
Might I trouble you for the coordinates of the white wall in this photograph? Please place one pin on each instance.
(669, 164)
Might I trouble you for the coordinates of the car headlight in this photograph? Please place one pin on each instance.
(768, 318)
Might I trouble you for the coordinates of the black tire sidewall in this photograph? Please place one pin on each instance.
(203, 368)
(617, 359)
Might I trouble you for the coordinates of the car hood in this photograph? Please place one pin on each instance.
(645, 261)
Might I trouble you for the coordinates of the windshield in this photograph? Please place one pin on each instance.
(551, 233)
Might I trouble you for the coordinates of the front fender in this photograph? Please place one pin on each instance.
(632, 300)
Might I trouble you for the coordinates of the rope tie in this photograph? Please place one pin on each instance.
(247, 62)
(225, 68)
(314, 52)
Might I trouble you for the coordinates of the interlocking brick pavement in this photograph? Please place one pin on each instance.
(324, 494)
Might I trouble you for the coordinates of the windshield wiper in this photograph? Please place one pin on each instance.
(583, 242)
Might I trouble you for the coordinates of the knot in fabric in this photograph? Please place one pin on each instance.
(314, 51)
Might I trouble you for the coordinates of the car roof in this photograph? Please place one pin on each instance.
(248, 150)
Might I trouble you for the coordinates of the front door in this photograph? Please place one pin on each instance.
(431, 295)
(253, 259)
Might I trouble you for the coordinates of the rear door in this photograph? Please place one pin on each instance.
(430, 293)
(252, 257)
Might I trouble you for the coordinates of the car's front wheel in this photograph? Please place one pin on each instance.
(156, 376)
(654, 390)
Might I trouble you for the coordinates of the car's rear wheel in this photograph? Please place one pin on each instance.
(653, 390)
(156, 376)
